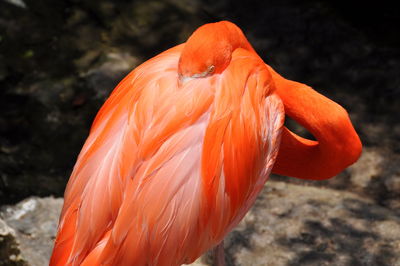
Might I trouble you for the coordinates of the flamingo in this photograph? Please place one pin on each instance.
(179, 151)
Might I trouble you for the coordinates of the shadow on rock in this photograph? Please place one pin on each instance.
(298, 225)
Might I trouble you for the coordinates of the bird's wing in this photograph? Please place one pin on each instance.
(217, 167)
(142, 113)
(168, 169)
(245, 148)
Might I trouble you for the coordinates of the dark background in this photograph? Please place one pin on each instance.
(60, 59)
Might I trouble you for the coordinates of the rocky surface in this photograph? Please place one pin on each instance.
(9, 248)
(32, 225)
(297, 225)
(289, 225)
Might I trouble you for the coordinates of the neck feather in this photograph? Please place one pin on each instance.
(337, 145)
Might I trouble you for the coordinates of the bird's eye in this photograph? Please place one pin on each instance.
(210, 69)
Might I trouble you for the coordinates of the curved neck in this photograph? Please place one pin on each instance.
(337, 145)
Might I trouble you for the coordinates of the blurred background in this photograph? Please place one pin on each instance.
(59, 60)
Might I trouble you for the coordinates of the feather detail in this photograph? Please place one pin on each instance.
(169, 168)
(242, 138)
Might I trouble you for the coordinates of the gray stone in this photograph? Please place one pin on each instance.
(105, 77)
(9, 249)
(297, 225)
(368, 167)
(392, 183)
(34, 224)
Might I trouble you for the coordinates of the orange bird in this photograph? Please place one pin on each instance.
(178, 153)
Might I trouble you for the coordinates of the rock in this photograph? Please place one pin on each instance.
(297, 225)
(368, 167)
(18, 3)
(9, 249)
(375, 175)
(114, 66)
(288, 225)
(392, 183)
(33, 224)
(28, 239)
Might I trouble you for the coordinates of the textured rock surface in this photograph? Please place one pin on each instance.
(9, 249)
(289, 225)
(298, 225)
(34, 222)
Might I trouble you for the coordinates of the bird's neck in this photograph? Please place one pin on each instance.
(337, 145)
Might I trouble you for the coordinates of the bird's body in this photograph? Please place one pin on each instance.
(177, 155)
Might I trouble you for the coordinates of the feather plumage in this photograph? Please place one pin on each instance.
(178, 153)
(155, 149)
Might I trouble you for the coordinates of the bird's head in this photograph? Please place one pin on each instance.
(209, 49)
